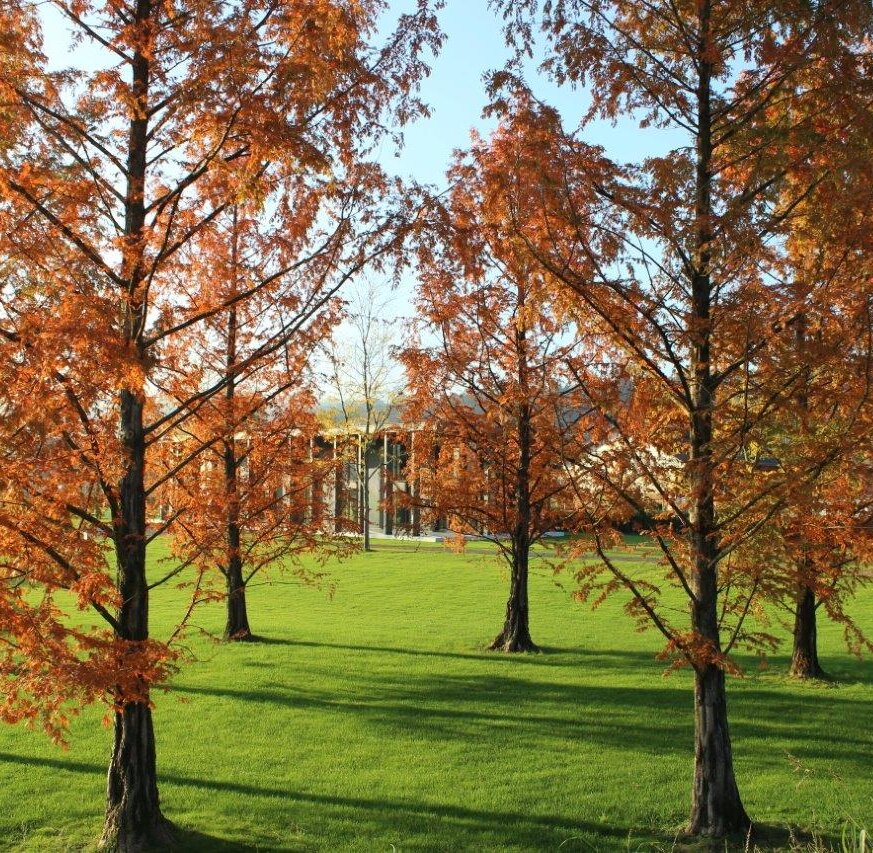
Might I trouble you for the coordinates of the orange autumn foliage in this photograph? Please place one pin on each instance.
(493, 400)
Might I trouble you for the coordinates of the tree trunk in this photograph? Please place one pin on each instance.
(133, 815)
(133, 819)
(804, 656)
(237, 628)
(515, 636)
(716, 808)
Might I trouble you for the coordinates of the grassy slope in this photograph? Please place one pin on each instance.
(373, 721)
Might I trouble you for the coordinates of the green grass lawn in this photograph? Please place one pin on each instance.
(375, 721)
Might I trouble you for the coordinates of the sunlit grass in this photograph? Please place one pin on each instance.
(375, 721)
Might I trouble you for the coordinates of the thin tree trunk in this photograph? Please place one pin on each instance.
(515, 636)
(237, 627)
(804, 655)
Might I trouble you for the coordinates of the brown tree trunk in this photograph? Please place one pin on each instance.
(716, 808)
(237, 628)
(133, 819)
(133, 814)
(804, 655)
(515, 636)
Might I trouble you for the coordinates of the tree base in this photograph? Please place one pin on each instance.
(134, 821)
(513, 644)
(716, 807)
(737, 838)
(160, 836)
(807, 670)
(737, 826)
(244, 636)
(804, 652)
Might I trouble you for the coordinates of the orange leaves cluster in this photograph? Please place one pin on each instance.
(49, 668)
(494, 397)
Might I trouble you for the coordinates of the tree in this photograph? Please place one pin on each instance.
(108, 172)
(828, 416)
(248, 504)
(48, 667)
(828, 429)
(491, 401)
(362, 373)
(682, 269)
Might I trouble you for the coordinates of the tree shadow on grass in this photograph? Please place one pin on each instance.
(846, 670)
(274, 641)
(200, 842)
(762, 837)
(843, 670)
(648, 720)
(473, 708)
(387, 821)
(386, 818)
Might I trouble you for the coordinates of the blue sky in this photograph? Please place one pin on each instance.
(456, 93)
(454, 90)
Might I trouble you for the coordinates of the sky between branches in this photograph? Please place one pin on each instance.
(456, 94)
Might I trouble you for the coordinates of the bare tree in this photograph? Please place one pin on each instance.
(364, 380)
